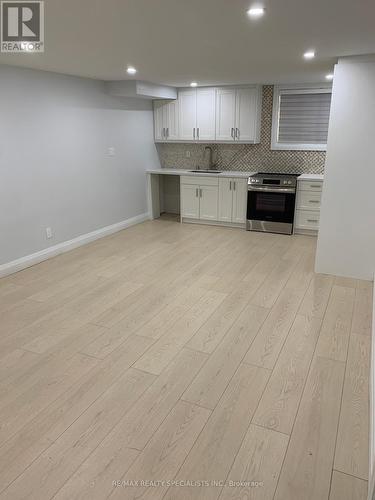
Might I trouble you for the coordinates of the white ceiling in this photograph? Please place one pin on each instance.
(210, 41)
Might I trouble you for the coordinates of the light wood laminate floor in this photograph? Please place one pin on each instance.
(177, 362)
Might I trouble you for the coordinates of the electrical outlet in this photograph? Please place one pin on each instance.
(48, 233)
(187, 154)
(111, 151)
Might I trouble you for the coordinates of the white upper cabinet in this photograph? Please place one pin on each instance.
(172, 121)
(187, 100)
(197, 114)
(166, 120)
(225, 114)
(206, 108)
(159, 128)
(247, 114)
(238, 114)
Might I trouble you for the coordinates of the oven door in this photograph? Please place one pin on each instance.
(272, 206)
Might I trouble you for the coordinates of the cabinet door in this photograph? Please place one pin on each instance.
(190, 201)
(225, 199)
(171, 120)
(208, 202)
(306, 219)
(239, 187)
(206, 114)
(159, 119)
(225, 114)
(187, 100)
(247, 117)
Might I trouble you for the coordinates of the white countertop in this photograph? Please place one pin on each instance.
(224, 173)
(311, 177)
(178, 171)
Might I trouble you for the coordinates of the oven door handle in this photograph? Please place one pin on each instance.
(271, 190)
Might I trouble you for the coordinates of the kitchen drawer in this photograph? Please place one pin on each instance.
(310, 185)
(307, 219)
(308, 200)
(200, 180)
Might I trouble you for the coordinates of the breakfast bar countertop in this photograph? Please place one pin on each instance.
(179, 171)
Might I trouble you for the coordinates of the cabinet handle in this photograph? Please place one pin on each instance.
(237, 133)
(196, 193)
(234, 185)
(230, 185)
(198, 133)
(314, 201)
(163, 133)
(313, 186)
(194, 133)
(200, 192)
(232, 132)
(167, 132)
(312, 220)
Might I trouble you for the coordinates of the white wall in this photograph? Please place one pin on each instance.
(346, 242)
(55, 131)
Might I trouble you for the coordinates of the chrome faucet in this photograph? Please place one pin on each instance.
(211, 163)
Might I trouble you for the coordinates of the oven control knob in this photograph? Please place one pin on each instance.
(289, 182)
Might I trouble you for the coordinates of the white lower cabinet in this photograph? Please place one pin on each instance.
(306, 220)
(232, 200)
(214, 199)
(208, 202)
(239, 201)
(225, 199)
(189, 201)
(199, 197)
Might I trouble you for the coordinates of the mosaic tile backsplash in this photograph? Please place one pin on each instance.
(246, 157)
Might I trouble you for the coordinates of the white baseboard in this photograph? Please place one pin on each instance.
(371, 480)
(34, 258)
(203, 222)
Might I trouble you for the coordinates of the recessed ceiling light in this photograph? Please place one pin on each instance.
(131, 70)
(193, 84)
(329, 76)
(256, 12)
(310, 54)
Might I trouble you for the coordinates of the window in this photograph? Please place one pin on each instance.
(300, 117)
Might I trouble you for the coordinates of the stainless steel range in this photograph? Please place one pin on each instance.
(270, 202)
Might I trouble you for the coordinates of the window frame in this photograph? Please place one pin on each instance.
(294, 89)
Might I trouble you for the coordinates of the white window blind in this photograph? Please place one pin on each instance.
(302, 117)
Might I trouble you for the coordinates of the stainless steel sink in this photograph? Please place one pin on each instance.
(201, 171)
